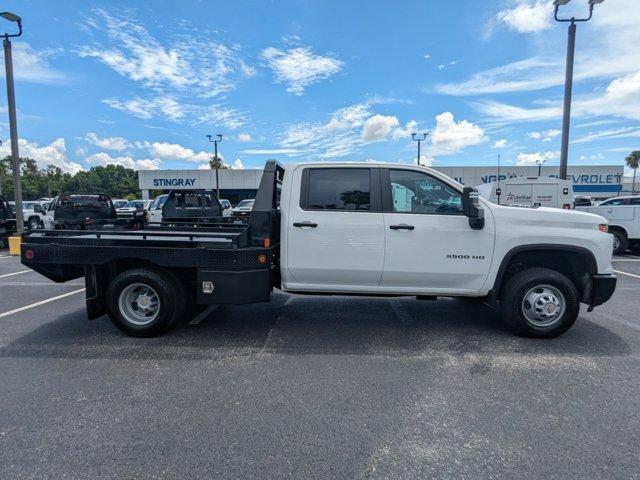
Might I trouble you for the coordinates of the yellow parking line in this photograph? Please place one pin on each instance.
(629, 274)
(37, 304)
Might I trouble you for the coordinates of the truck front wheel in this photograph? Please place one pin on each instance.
(540, 303)
(620, 242)
(143, 302)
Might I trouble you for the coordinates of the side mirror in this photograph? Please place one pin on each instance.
(471, 208)
(37, 208)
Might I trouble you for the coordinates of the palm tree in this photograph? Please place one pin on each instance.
(632, 162)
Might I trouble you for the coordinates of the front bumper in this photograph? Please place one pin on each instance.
(602, 288)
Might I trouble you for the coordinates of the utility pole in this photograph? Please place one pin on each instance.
(498, 189)
(216, 160)
(568, 79)
(13, 128)
(415, 138)
(1, 172)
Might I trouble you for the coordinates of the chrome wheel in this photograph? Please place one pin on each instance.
(616, 243)
(139, 304)
(543, 305)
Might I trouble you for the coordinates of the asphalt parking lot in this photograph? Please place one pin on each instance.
(307, 387)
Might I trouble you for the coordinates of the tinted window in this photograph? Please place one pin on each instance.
(615, 201)
(416, 192)
(634, 201)
(339, 189)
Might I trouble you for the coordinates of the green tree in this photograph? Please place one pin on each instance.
(632, 162)
(221, 165)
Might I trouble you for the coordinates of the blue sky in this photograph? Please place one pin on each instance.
(105, 82)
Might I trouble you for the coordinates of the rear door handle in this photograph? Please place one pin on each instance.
(402, 226)
(305, 224)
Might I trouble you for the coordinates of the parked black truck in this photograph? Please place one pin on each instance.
(7, 220)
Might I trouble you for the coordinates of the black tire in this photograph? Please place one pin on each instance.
(513, 305)
(170, 296)
(620, 242)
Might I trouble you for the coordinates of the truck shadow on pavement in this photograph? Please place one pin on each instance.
(305, 325)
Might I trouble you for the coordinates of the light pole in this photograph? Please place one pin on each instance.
(540, 162)
(568, 80)
(13, 128)
(216, 160)
(415, 138)
(1, 172)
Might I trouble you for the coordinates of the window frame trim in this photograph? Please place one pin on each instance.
(387, 192)
(375, 204)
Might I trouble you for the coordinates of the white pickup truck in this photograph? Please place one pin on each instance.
(623, 215)
(347, 229)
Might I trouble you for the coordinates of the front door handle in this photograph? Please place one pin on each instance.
(305, 224)
(402, 226)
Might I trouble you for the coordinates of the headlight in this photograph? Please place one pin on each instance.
(603, 227)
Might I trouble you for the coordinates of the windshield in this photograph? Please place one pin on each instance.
(245, 203)
(29, 205)
(134, 204)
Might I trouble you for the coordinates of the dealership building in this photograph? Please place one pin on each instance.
(595, 181)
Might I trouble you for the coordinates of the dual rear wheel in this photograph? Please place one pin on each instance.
(143, 302)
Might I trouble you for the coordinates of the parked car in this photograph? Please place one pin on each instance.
(81, 212)
(131, 207)
(582, 201)
(154, 212)
(119, 202)
(623, 214)
(336, 229)
(32, 213)
(226, 207)
(243, 208)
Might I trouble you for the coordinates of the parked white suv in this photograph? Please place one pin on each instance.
(623, 214)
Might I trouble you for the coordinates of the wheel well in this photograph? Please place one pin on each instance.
(116, 267)
(577, 265)
(616, 228)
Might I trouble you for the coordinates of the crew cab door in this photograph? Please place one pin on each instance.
(154, 213)
(430, 246)
(334, 229)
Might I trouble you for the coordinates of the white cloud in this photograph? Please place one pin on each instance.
(183, 61)
(621, 98)
(299, 67)
(149, 107)
(244, 137)
(534, 73)
(378, 127)
(623, 132)
(167, 107)
(238, 165)
(605, 52)
(105, 159)
(442, 66)
(33, 66)
(173, 151)
(406, 131)
(450, 136)
(527, 16)
(426, 160)
(534, 158)
(499, 143)
(545, 136)
(270, 151)
(108, 143)
(53, 154)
